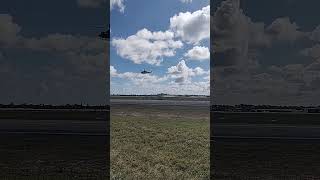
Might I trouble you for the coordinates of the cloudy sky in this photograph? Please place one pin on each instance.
(265, 52)
(168, 37)
(50, 53)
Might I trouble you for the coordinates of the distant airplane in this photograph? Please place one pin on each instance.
(146, 72)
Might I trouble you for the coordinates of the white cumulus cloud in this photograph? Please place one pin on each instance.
(181, 73)
(147, 47)
(198, 53)
(117, 3)
(113, 71)
(192, 27)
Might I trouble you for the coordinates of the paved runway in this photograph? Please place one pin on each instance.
(265, 131)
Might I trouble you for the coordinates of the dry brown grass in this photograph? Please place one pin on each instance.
(159, 143)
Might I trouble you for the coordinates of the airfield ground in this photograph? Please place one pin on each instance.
(162, 140)
(168, 141)
(280, 118)
(31, 157)
(275, 146)
(50, 144)
(262, 159)
(159, 142)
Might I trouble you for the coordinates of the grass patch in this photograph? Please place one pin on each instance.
(159, 145)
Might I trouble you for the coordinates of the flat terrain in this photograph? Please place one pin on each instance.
(159, 141)
(281, 146)
(256, 125)
(265, 159)
(54, 114)
(54, 127)
(155, 97)
(266, 131)
(160, 138)
(280, 118)
(30, 157)
(53, 144)
(165, 103)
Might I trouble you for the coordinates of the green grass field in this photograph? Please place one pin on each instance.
(159, 143)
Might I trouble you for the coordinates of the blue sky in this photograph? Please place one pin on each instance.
(188, 74)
